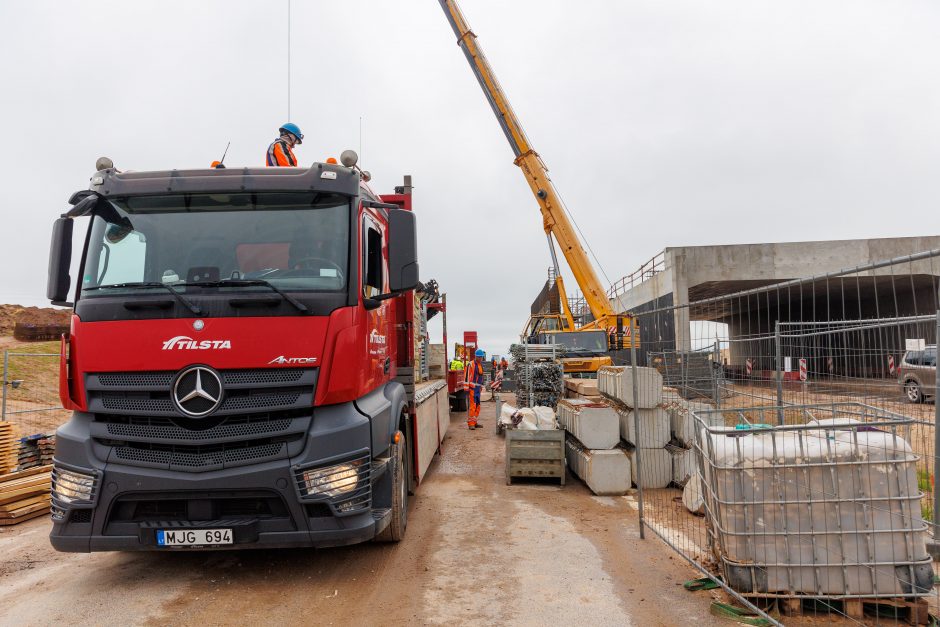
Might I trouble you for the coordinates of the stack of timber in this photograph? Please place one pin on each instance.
(7, 448)
(582, 388)
(436, 366)
(593, 445)
(35, 450)
(25, 494)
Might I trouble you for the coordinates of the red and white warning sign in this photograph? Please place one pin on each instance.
(802, 369)
(749, 366)
(891, 364)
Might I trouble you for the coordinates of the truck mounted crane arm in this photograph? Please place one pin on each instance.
(554, 217)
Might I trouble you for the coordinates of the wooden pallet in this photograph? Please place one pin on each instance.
(9, 448)
(912, 611)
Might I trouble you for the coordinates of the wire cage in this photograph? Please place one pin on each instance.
(824, 506)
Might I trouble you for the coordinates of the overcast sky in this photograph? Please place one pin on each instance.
(664, 123)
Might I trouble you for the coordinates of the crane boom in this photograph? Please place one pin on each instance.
(554, 217)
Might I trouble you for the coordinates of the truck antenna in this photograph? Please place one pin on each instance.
(220, 165)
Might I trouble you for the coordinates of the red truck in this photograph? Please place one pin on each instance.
(240, 361)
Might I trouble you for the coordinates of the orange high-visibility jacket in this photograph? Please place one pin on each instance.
(279, 153)
(473, 373)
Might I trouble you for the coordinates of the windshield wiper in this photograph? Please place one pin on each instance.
(143, 284)
(251, 283)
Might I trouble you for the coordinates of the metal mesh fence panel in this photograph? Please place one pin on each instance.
(785, 440)
(30, 397)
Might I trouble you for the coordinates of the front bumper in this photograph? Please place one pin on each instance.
(261, 502)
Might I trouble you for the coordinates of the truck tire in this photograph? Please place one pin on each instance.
(395, 530)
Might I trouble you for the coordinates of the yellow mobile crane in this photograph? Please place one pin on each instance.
(555, 221)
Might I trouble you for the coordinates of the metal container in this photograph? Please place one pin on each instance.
(828, 508)
(535, 453)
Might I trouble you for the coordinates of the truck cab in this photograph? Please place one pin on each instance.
(240, 360)
(583, 352)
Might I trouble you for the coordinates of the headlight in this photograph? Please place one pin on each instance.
(331, 481)
(72, 487)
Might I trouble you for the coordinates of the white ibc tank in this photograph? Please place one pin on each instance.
(833, 511)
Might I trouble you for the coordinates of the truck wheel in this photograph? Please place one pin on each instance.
(913, 393)
(396, 528)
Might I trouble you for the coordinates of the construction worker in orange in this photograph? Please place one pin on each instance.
(280, 152)
(473, 382)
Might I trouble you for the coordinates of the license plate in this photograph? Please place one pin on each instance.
(193, 537)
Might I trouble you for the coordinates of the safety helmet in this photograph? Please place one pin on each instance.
(293, 129)
(480, 353)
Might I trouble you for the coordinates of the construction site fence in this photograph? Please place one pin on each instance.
(30, 394)
(800, 470)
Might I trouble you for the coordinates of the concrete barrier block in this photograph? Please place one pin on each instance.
(684, 464)
(606, 473)
(595, 425)
(682, 420)
(654, 428)
(655, 470)
(617, 382)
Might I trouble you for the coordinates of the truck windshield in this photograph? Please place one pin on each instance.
(294, 241)
(580, 342)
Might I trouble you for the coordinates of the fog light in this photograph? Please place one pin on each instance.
(72, 487)
(331, 481)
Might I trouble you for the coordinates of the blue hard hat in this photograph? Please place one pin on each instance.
(480, 353)
(294, 130)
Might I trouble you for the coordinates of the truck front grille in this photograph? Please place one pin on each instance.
(150, 380)
(142, 428)
(263, 417)
(205, 457)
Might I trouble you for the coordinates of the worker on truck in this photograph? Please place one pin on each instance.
(457, 364)
(280, 152)
(473, 381)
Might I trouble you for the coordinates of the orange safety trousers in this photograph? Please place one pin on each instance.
(474, 408)
(473, 378)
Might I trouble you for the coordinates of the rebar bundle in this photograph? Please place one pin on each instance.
(538, 374)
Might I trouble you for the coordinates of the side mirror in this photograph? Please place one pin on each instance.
(402, 251)
(60, 258)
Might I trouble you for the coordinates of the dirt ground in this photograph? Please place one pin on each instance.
(11, 314)
(477, 552)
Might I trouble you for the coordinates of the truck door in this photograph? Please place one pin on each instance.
(375, 282)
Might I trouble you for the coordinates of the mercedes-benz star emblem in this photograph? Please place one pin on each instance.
(197, 391)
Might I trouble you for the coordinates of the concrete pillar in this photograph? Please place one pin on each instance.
(680, 296)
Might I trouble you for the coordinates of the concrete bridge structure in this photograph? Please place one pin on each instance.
(684, 276)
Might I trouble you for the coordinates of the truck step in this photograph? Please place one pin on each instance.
(382, 517)
(379, 466)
